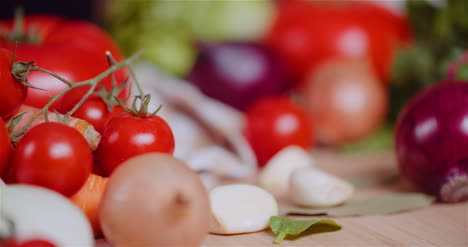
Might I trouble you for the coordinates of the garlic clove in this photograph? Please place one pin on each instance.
(312, 187)
(275, 175)
(240, 208)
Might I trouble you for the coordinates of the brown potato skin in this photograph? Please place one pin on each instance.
(155, 200)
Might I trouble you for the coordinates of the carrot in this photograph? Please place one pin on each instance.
(87, 130)
(88, 199)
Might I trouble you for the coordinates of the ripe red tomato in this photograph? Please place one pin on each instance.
(305, 33)
(28, 243)
(74, 50)
(126, 136)
(6, 150)
(12, 93)
(53, 155)
(94, 111)
(275, 123)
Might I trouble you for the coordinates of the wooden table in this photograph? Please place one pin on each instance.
(437, 225)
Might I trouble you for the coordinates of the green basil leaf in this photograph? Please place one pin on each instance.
(283, 227)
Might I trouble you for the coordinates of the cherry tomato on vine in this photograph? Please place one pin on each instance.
(75, 50)
(275, 123)
(6, 150)
(94, 111)
(126, 136)
(53, 155)
(12, 92)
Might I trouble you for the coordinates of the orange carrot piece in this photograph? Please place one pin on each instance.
(88, 199)
(87, 130)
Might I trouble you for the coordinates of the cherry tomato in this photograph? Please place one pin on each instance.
(53, 155)
(126, 136)
(306, 33)
(275, 123)
(28, 243)
(6, 150)
(12, 93)
(94, 110)
(72, 49)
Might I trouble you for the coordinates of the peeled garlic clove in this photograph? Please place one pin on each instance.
(240, 208)
(312, 187)
(275, 175)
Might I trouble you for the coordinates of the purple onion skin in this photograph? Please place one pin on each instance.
(239, 73)
(432, 140)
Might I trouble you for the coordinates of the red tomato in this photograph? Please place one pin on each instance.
(6, 150)
(306, 33)
(28, 243)
(53, 155)
(74, 50)
(12, 93)
(126, 136)
(275, 123)
(94, 111)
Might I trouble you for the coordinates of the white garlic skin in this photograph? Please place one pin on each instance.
(311, 187)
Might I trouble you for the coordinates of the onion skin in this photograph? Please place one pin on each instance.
(345, 100)
(239, 73)
(431, 140)
(154, 200)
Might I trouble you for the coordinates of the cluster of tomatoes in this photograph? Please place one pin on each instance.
(53, 154)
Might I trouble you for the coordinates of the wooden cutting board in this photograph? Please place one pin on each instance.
(437, 225)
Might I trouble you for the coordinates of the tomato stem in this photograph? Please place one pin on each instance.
(92, 82)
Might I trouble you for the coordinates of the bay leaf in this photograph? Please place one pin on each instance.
(283, 227)
(382, 204)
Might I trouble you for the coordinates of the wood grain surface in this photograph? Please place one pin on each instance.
(437, 225)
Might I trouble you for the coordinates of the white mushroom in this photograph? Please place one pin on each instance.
(312, 187)
(275, 175)
(240, 208)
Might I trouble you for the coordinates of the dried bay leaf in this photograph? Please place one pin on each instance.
(375, 205)
(283, 227)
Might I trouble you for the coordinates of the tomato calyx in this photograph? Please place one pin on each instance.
(21, 69)
(139, 110)
(109, 96)
(31, 36)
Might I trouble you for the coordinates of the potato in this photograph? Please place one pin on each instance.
(155, 200)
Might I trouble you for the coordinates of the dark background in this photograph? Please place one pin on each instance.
(77, 9)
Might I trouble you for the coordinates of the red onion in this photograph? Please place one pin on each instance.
(239, 73)
(432, 141)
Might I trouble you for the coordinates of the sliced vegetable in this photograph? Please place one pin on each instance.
(86, 130)
(282, 227)
(89, 198)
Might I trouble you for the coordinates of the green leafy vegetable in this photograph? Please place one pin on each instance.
(283, 227)
(376, 205)
(440, 36)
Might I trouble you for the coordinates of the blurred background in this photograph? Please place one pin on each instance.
(351, 65)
